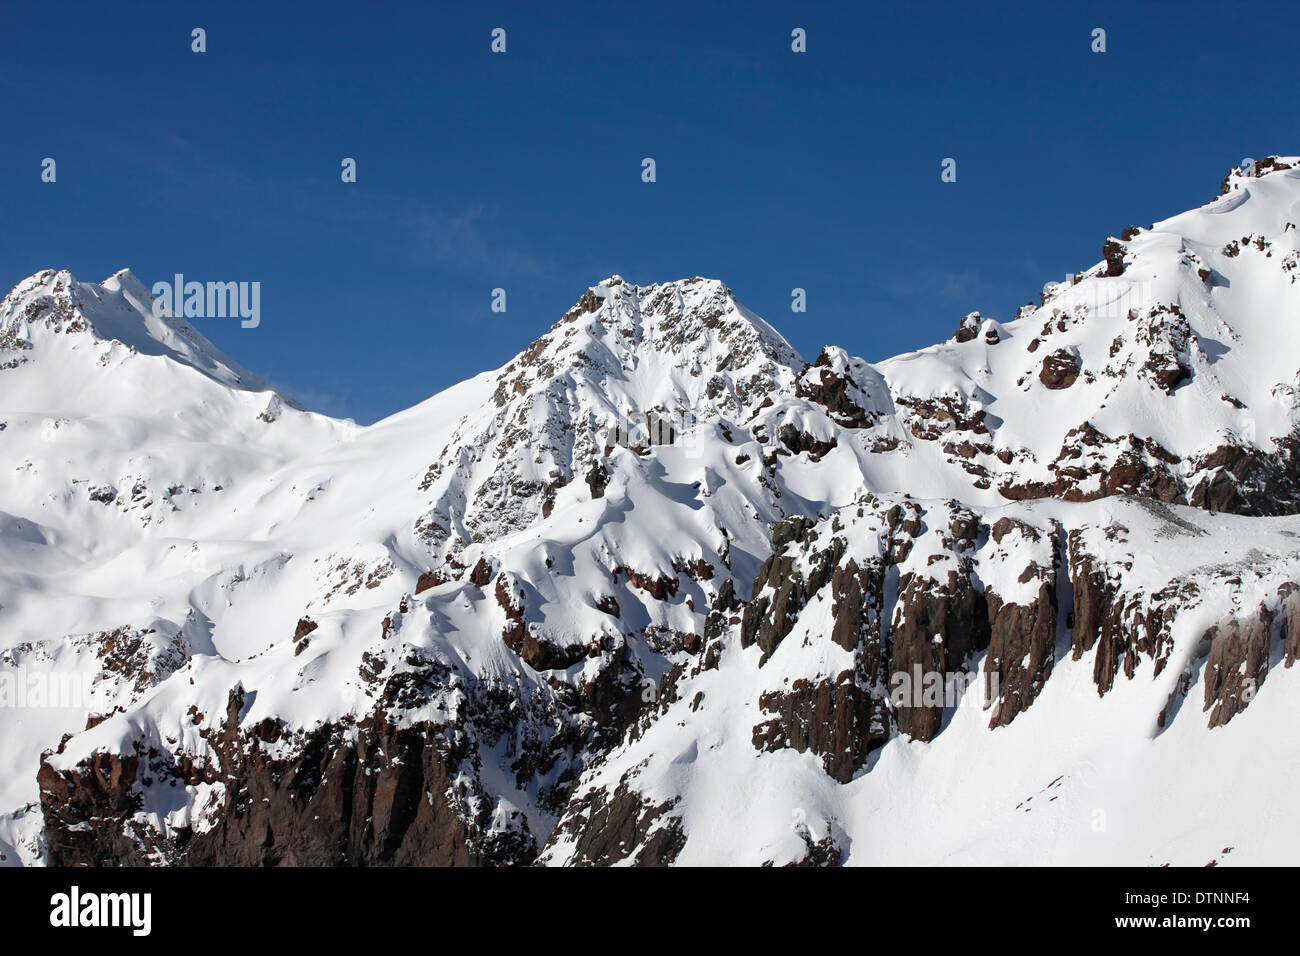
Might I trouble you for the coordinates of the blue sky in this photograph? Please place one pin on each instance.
(523, 170)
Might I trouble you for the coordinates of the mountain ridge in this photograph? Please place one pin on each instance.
(659, 534)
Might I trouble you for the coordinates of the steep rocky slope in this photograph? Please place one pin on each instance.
(1080, 651)
(661, 590)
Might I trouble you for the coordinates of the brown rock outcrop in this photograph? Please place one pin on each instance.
(835, 719)
(1237, 665)
(1022, 638)
(1059, 369)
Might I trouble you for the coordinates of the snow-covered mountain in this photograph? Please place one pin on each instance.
(660, 590)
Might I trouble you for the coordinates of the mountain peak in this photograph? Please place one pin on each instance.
(672, 345)
(125, 281)
(49, 306)
(688, 317)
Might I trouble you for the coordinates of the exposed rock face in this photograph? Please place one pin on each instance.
(886, 588)
(1291, 638)
(969, 328)
(658, 586)
(382, 792)
(934, 418)
(510, 597)
(937, 625)
(597, 479)
(305, 626)
(1237, 665)
(1113, 252)
(825, 852)
(1130, 627)
(1094, 599)
(833, 388)
(429, 579)
(1232, 478)
(1237, 479)
(368, 795)
(1060, 369)
(1168, 339)
(482, 573)
(85, 813)
(605, 828)
(1022, 642)
(853, 395)
(797, 441)
(1021, 651)
(390, 788)
(836, 719)
(538, 652)
(385, 798)
(779, 592)
(1121, 628)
